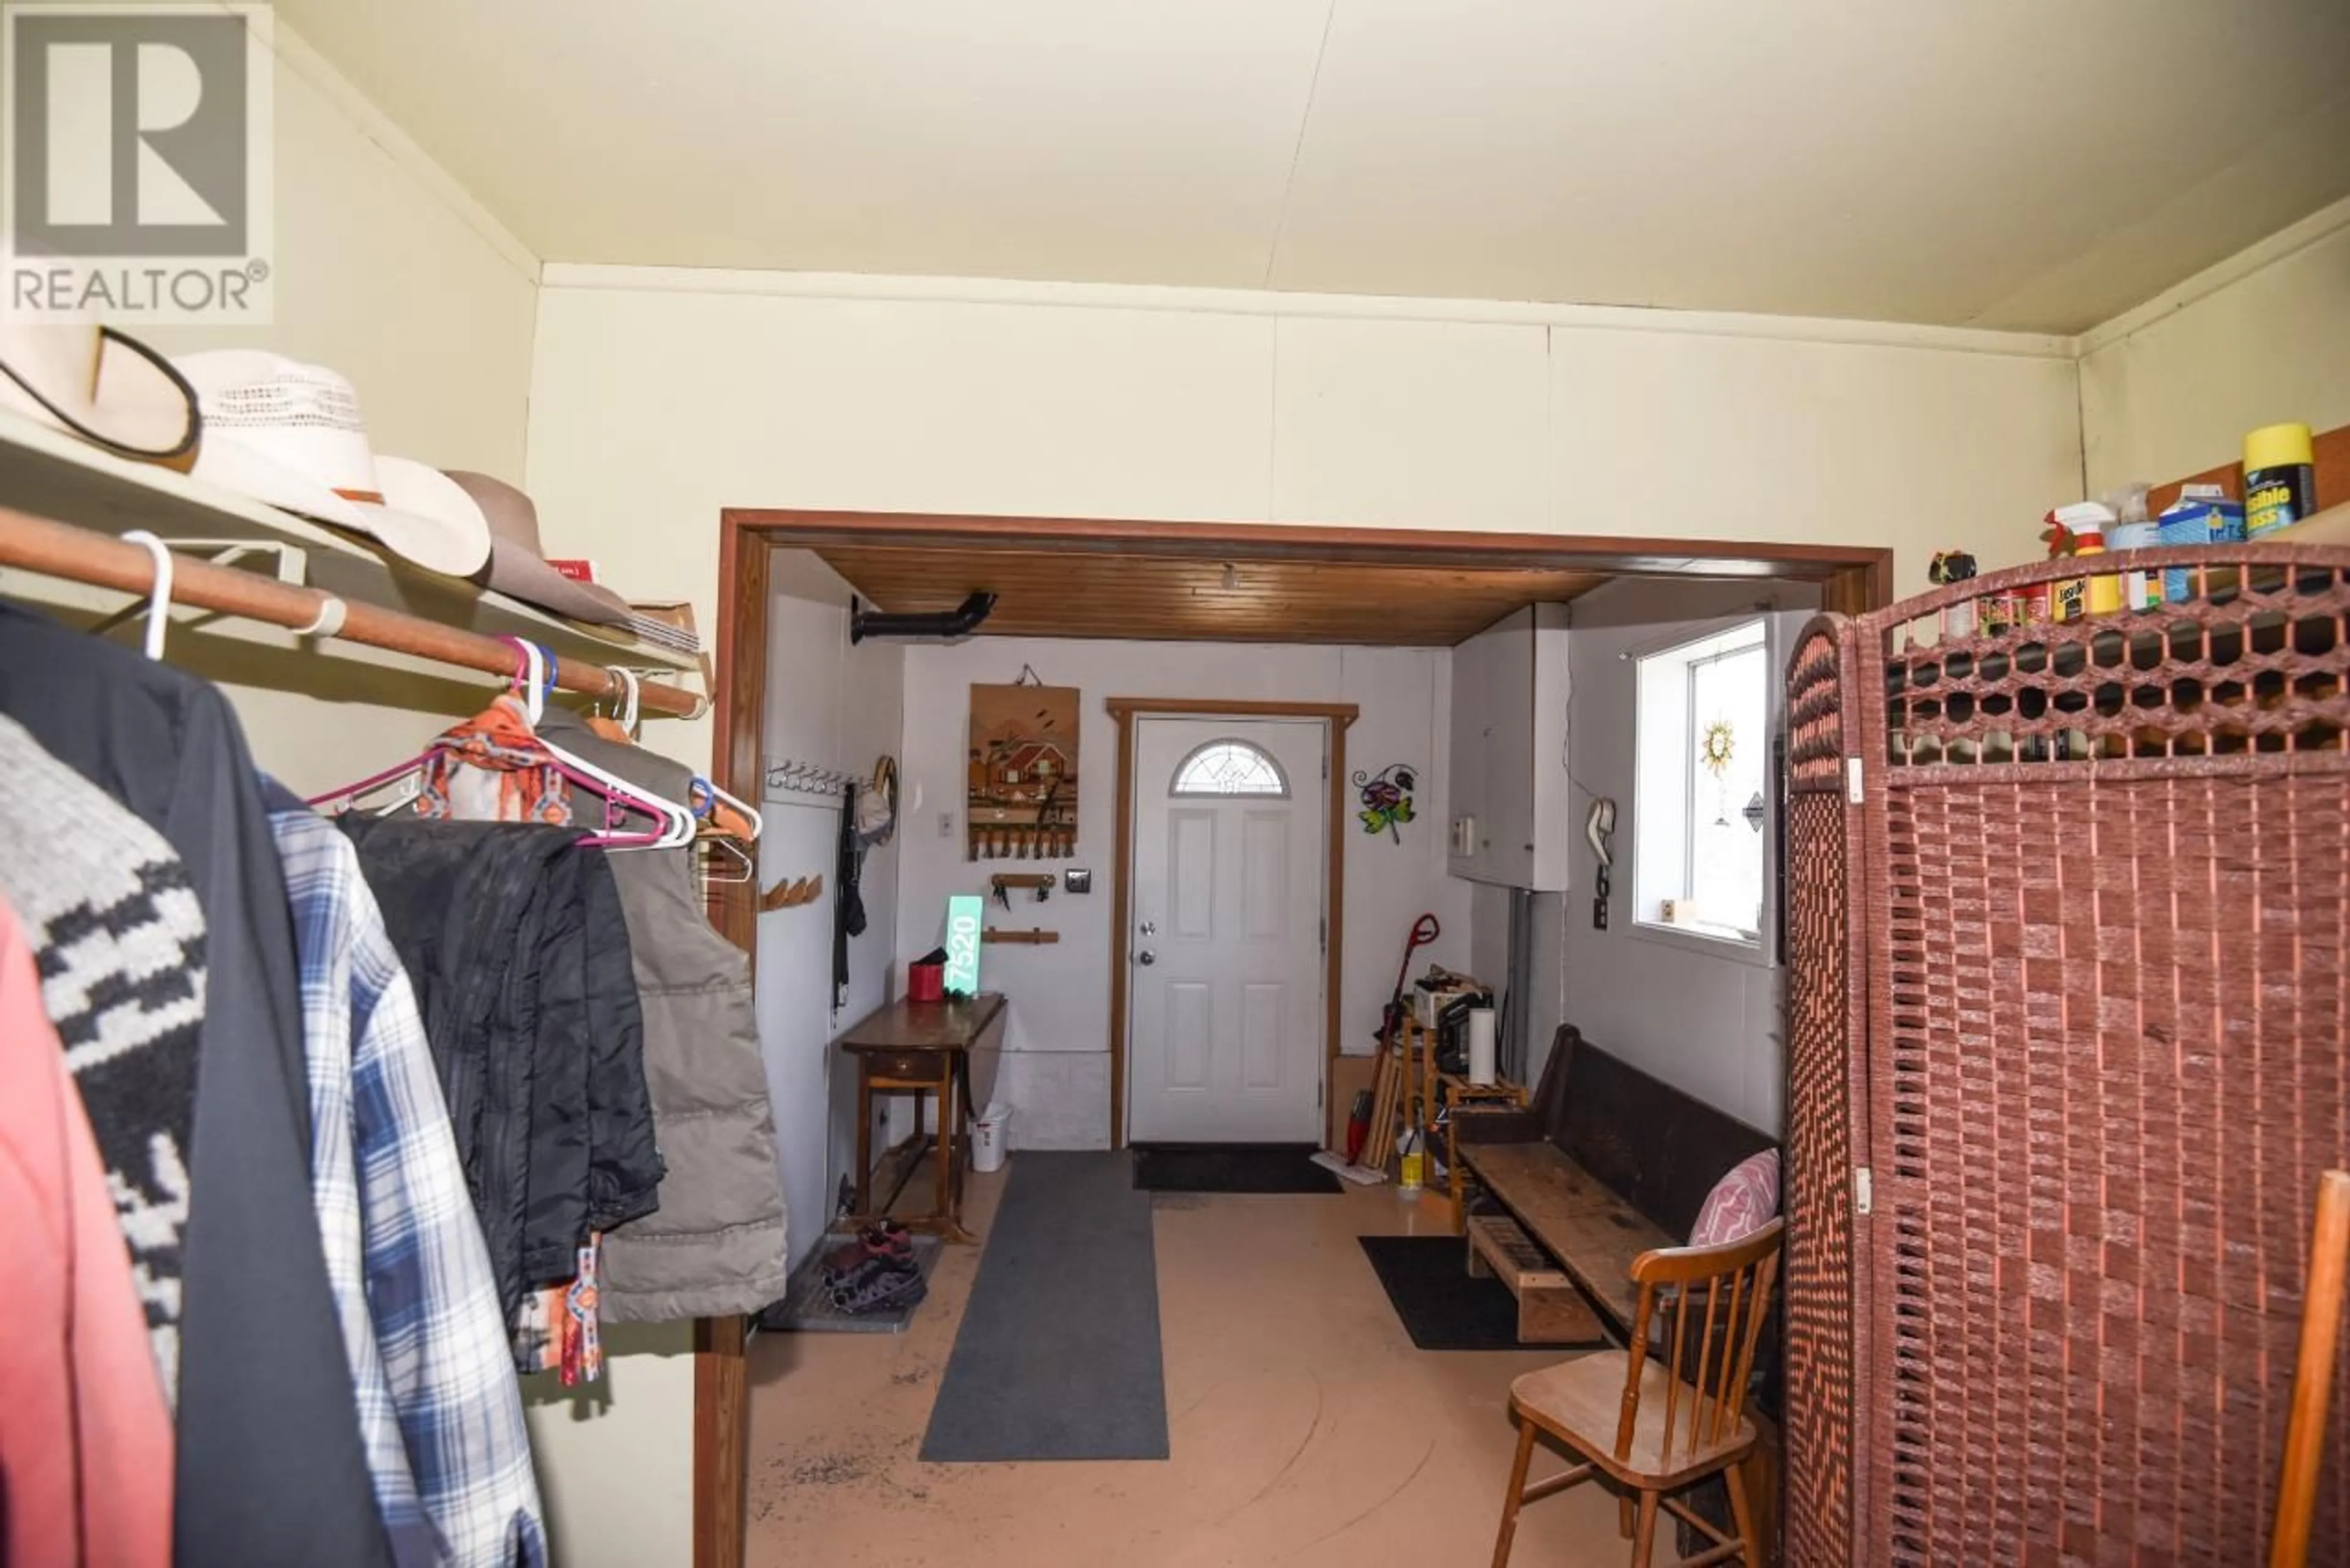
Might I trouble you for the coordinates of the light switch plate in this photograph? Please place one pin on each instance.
(946, 824)
(1077, 880)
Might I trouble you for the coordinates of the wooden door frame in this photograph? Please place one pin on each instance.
(1853, 579)
(1337, 718)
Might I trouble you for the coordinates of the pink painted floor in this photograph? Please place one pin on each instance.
(1307, 1432)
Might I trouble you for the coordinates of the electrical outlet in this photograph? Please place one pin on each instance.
(946, 824)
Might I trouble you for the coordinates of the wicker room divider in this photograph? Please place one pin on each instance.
(2069, 1043)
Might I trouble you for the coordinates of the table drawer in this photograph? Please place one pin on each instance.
(926, 1066)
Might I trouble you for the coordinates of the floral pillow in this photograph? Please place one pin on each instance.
(1741, 1203)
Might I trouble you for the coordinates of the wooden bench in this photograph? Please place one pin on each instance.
(1605, 1163)
(1573, 1240)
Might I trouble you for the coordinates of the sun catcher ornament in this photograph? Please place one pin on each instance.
(1720, 745)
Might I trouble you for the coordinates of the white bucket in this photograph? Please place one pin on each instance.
(989, 1135)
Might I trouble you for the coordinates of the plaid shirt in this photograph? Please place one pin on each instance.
(440, 1410)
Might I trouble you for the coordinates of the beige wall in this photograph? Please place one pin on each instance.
(2169, 388)
(660, 397)
(389, 273)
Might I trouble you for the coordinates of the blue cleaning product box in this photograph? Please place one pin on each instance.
(2201, 515)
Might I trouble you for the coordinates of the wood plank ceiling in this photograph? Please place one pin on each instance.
(1192, 598)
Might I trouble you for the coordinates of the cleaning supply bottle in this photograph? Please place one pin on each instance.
(1411, 1158)
(2080, 530)
(2103, 595)
(2135, 531)
(2280, 478)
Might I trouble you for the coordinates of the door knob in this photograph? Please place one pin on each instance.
(1145, 957)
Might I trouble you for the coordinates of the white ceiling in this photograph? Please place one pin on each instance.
(2036, 164)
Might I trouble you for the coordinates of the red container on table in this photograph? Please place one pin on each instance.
(926, 981)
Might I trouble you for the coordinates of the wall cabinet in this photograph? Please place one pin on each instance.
(1509, 787)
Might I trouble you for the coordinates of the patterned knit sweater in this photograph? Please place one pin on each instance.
(118, 941)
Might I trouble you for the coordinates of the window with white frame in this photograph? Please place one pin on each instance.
(1702, 776)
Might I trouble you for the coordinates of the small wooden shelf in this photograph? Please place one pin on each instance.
(47, 473)
(1550, 1309)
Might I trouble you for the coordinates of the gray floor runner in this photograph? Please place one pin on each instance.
(1058, 1354)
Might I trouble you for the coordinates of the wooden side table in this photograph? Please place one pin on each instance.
(1452, 1091)
(943, 1050)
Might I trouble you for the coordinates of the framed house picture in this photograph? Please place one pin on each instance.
(1023, 791)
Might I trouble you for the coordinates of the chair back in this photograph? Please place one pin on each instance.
(2313, 1380)
(1719, 1298)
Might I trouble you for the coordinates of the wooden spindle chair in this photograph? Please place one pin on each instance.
(1660, 1425)
(2313, 1380)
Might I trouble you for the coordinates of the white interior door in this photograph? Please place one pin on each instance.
(1225, 963)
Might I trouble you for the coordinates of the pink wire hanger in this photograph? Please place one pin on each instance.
(528, 687)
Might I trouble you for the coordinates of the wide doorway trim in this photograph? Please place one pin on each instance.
(1853, 578)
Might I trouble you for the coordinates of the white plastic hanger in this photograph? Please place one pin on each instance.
(678, 822)
(159, 597)
(627, 718)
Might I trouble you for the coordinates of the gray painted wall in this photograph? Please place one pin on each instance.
(1704, 1017)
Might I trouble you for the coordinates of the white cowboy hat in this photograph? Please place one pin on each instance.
(93, 382)
(290, 434)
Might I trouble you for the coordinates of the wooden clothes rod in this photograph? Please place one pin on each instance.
(76, 555)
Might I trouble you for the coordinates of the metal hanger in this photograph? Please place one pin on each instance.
(743, 871)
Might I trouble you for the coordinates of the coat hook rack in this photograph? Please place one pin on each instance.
(789, 776)
(787, 894)
(1040, 883)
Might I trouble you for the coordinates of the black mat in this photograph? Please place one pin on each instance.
(1058, 1353)
(1231, 1168)
(1442, 1308)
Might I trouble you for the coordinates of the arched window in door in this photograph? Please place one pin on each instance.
(1231, 768)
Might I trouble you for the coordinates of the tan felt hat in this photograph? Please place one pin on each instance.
(518, 566)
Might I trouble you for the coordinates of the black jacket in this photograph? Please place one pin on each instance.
(516, 944)
(269, 1468)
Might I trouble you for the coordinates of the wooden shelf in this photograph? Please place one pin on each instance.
(48, 473)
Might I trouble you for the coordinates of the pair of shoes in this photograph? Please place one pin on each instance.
(882, 1239)
(878, 1283)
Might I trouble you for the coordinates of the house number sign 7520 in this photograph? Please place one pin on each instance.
(964, 912)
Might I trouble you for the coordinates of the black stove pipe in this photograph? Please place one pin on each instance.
(943, 625)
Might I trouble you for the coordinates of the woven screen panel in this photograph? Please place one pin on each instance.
(2254, 663)
(1819, 1147)
(2112, 1055)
